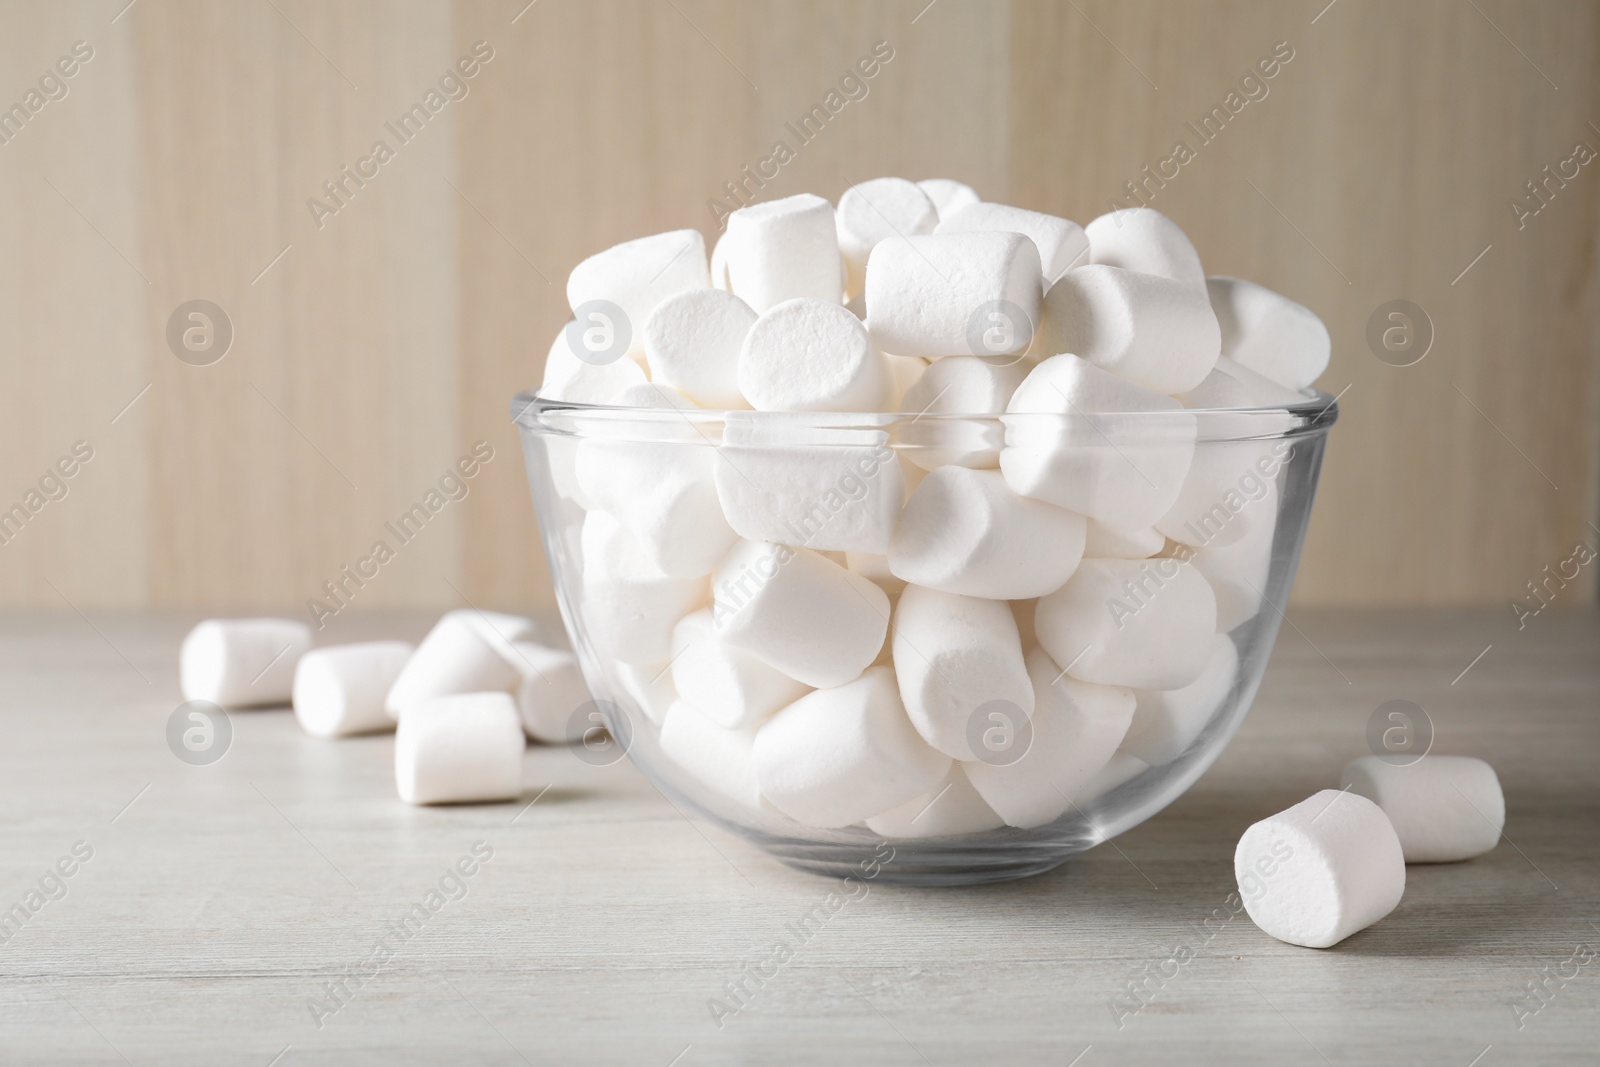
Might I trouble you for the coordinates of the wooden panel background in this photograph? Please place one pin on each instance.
(383, 343)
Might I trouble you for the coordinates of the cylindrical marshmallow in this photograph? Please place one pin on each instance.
(1238, 571)
(629, 604)
(1320, 871)
(811, 355)
(649, 686)
(1443, 808)
(950, 808)
(459, 749)
(720, 758)
(1112, 542)
(550, 689)
(692, 342)
(1146, 241)
(467, 651)
(637, 275)
(953, 294)
(1269, 333)
(242, 663)
(1166, 723)
(340, 690)
(881, 209)
(730, 687)
(784, 249)
(948, 195)
(1062, 243)
(960, 386)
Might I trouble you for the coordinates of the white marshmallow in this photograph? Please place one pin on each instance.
(1320, 871)
(1443, 808)
(799, 612)
(242, 663)
(1071, 737)
(719, 263)
(954, 386)
(1231, 384)
(721, 759)
(1146, 241)
(795, 482)
(572, 380)
(1237, 572)
(941, 295)
(952, 655)
(639, 274)
(630, 604)
(810, 355)
(1166, 723)
(875, 567)
(550, 688)
(1269, 333)
(904, 372)
(339, 691)
(1121, 769)
(838, 756)
(692, 342)
(467, 651)
(948, 195)
(784, 249)
(965, 531)
(1062, 243)
(1083, 439)
(459, 749)
(1110, 542)
(730, 687)
(950, 808)
(1145, 624)
(649, 686)
(882, 209)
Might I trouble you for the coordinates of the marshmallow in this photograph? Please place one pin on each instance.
(629, 603)
(954, 294)
(950, 808)
(1062, 243)
(458, 749)
(965, 531)
(1270, 333)
(810, 355)
(1122, 768)
(883, 209)
(840, 755)
(904, 372)
(242, 663)
(1443, 808)
(795, 482)
(1070, 738)
(549, 689)
(636, 276)
(649, 686)
(875, 567)
(952, 655)
(1166, 723)
(467, 651)
(728, 686)
(719, 263)
(723, 760)
(1145, 624)
(1146, 241)
(1083, 439)
(1318, 872)
(948, 195)
(799, 612)
(1110, 542)
(784, 249)
(957, 386)
(339, 691)
(692, 342)
(575, 381)
(1237, 572)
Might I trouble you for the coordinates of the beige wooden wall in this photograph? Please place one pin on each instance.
(387, 340)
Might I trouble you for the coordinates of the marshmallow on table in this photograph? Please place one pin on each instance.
(948, 195)
(882, 209)
(795, 610)
(1443, 808)
(550, 689)
(1083, 439)
(1069, 740)
(630, 604)
(720, 758)
(795, 482)
(783, 249)
(639, 274)
(1270, 333)
(960, 385)
(728, 686)
(692, 342)
(457, 749)
(952, 655)
(1146, 241)
(649, 686)
(1237, 571)
(1320, 871)
(966, 531)
(1111, 542)
(951, 807)
(953, 294)
(1062, 243)
(242, 663)
(339, 691)
(467, 651)
(1167, 722)
(811, 355)
(1141, 623)
(838, 756)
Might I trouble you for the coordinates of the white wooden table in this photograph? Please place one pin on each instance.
(220, 901)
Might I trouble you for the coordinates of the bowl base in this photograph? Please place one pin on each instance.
(921, 863)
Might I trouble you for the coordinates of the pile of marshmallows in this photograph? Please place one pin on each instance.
(460, 701)
(827, 626)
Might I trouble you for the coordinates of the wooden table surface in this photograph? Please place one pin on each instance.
(220, 901)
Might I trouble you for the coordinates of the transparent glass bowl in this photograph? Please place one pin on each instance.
(1245, 504)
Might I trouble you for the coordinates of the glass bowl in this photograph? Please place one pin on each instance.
(1239, 521)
